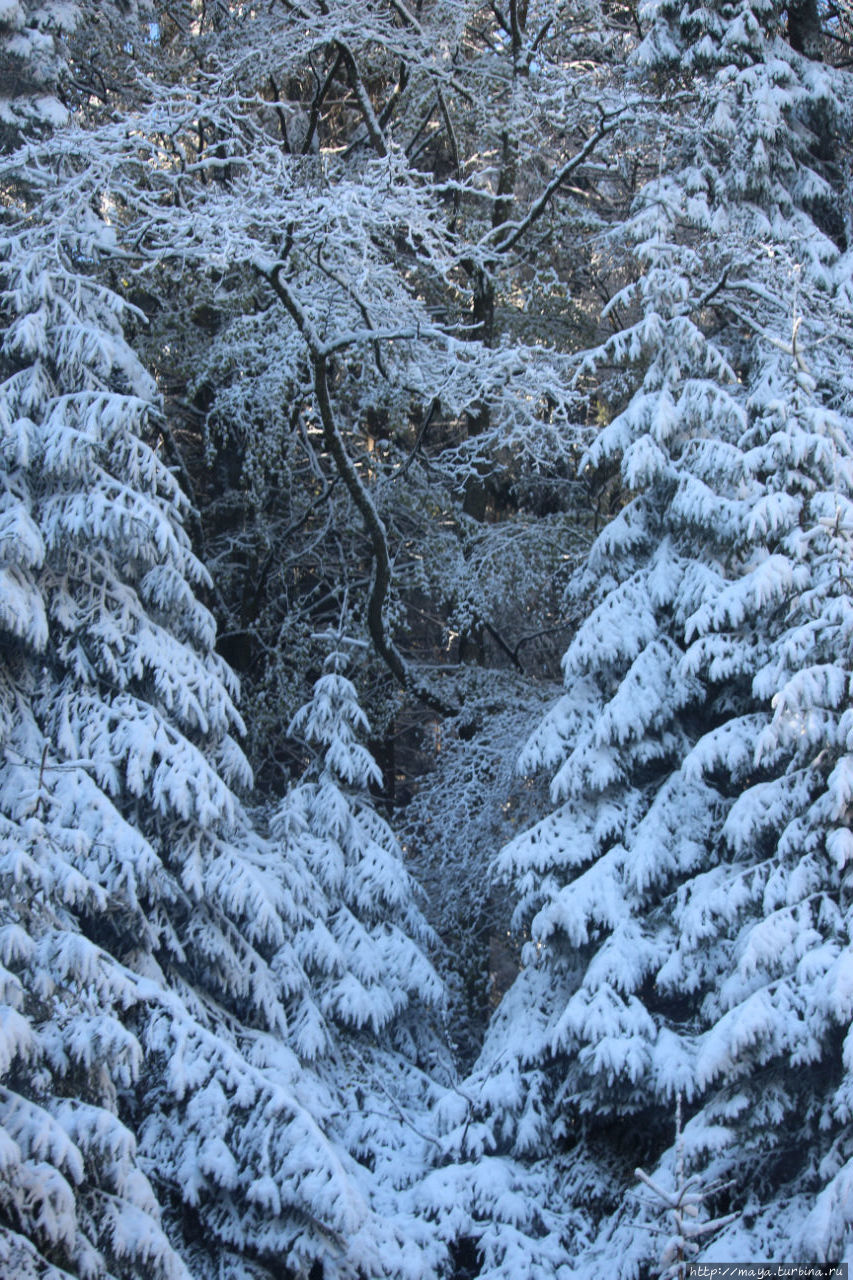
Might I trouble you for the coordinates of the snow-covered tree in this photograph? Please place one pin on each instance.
(313, 161)
(31, 63)
(686, 900)
(361, 249)
(140, 910)
(161, 1114)
(356, 859)
(373, 1024)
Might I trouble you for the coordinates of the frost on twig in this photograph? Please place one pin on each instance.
(683, 1211)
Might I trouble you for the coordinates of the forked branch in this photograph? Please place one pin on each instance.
(319, 354)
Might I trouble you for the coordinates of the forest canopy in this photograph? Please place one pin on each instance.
(426, 547)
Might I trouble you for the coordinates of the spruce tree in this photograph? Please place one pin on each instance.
(372, 1026)
(162, 1110)
(686, 900)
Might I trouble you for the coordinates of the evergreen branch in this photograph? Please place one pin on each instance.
(425, 1137)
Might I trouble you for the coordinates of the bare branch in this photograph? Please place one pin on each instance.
(374, 526)
(509, 233)
(374, 129)
(316, 105)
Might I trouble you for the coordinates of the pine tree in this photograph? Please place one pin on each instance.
(155, 1114)
(167, 1104)
(371, 1025)
(686, 900)
(32, 64)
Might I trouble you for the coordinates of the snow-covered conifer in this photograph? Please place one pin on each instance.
(686, 899)
(370, 1022)
(154, 1114)
(373, 926)
(238, 1020)
(31, 61)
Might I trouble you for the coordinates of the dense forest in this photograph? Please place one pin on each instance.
(426, 638)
